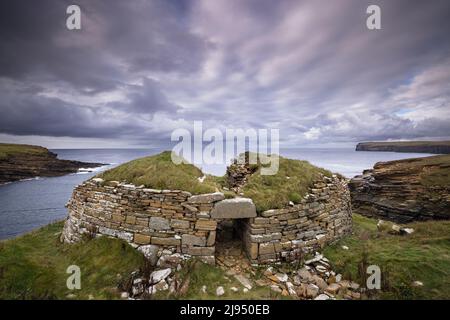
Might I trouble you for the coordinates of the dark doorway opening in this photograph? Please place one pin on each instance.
(229, 243)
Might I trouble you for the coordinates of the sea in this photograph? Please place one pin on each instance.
(29, 204)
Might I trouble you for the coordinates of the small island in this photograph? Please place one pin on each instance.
(20, 161)
(435, 147)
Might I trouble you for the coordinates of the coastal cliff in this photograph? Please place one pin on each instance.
(19, 162)
(404, 190)
(436, 147)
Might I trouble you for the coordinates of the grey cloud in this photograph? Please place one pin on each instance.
(138, 69)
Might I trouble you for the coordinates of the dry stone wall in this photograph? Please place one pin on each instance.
(322, 217)
(172, 221)
(172, 225)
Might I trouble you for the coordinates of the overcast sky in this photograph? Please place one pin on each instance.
(139, 69)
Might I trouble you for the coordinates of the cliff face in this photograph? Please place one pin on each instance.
(404, 190)
(437, 147)
(20, 165)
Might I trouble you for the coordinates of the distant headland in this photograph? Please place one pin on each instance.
(436, 147)
(20, 161)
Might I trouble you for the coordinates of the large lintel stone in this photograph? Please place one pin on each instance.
(235, 208)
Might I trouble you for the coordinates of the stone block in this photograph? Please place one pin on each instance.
(209, 225)
(236, 208)
(141, 238)
(165, 241)
(191, 240)
(211, 238)
(266, 248)
(200, 251)
(158, 223)
(179, 224)
(206, 198)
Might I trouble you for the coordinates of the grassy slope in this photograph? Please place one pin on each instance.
(7, 149)
(291, 183)
(160, 172)
(34, 266)
(436, 177)
(423, 256)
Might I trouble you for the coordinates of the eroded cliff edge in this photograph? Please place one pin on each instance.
(404, 190)
(19, 162)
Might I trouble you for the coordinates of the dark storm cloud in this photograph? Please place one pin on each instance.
(139, 69)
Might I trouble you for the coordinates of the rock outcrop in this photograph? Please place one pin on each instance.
(436, 147)
(25, 165)
(404, 190)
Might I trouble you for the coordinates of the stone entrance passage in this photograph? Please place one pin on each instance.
(232, 214)
(230, 248)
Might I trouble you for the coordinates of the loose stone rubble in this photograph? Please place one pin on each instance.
(314, 280)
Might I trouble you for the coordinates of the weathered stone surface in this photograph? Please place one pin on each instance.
(246, 283)
(165, 241)
(158, 223)
(236, 208)
(208, 225)
(211, 239)
(179, 224)
(206, 198)
(150, 252)
(220, 291)
(200, 251)
(191, 240)
(141, 238)
(395, 191)
(159, 275)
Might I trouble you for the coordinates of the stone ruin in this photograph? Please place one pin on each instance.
(176, 225)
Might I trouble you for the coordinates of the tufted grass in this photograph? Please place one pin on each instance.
(422, 256)
(290, 183)
(34, 266)
(159, 172)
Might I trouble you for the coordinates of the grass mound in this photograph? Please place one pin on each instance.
(7, 150)
(34, 266)
(290, 183)
(422, 256)
(159, 172)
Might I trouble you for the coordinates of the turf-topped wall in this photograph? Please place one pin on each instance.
(308, 208)
(322, 217)
(177, 224)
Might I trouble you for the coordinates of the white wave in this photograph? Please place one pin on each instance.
(90, 170)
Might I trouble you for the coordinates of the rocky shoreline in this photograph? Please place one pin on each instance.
(25, 165)
(404, 190)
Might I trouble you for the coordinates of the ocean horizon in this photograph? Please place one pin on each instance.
(33, 203)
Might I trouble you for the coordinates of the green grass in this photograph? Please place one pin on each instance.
(290, 183)
(34, 266)
(7, 150)
(160, 172)
(438, 171)
(422, 256)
